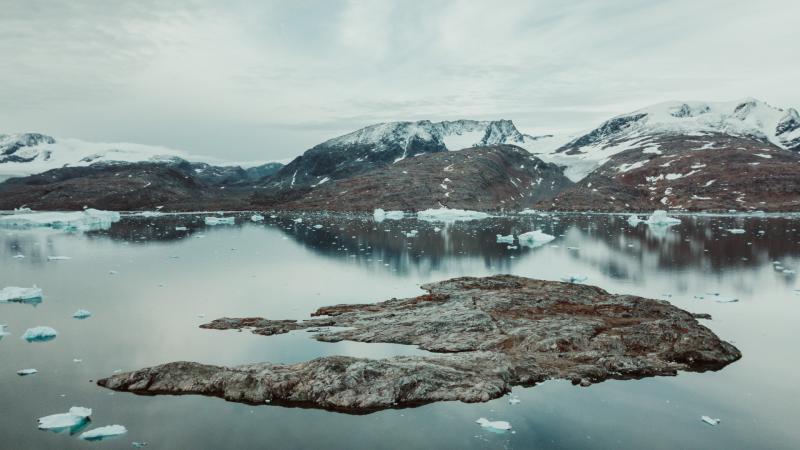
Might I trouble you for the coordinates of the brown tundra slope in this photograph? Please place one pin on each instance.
(479, 178)
(710, 172)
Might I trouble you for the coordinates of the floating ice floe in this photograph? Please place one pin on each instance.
(257, 218)
(317, 227)
(82, 314)
(149, 214)
(220, 220)
(736, 231)
(20, 294)
(574, 279)
(88, 219)
(710, 421)
(3, 331)
(634, 220)
(514, 400)
(98, 434)
(534, 238)
(505, 239)
(727, 300)
(450, 215)
(39, 334)
(18, 256)
(380, 215)
(72, 420)
(59, 258)
(499, 425)
(25, 372)
(660, 217)
(181, 229)
(135, 444)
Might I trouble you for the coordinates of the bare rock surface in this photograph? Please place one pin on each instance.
(493, 333)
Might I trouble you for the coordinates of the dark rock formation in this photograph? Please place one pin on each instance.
(711, 172)
(495, 333)
(480, 178)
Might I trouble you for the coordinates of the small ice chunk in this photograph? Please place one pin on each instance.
(19, 256)
(220, 220)
(574, 279)
(534, 238)
(317, 226)
(75, 418)
(634, 220)
(82, 314)
(98, 434)
(24, 372)
(500, 425)
(379, 215)
(181, 228)
(710, 421)
(59, 258)
(135, 444)
(20, 294)
(514, 401)
(727, 300)
(660, 217)
(450, 215)
(3, 331)
(257, 218)
(505, 239)
(736, 231)
(39, 334)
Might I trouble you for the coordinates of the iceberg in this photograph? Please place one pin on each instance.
(73, 420)
(86, 220)
(257, 218)
(534, 238)
(20, 294)
(660, 217)
(499, 425)
(220, 220)
(82, 314)
(634, 220)
(710, 421)
(505, 239)
(379, 215)
(39, 334)
(98, 434)
(25, 372)
(450, 215)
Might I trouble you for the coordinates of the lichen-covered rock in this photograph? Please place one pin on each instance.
(496, 332)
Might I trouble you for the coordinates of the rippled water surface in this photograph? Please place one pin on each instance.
(149, 286)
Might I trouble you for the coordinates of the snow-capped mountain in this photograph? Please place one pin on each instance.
(749, 118)
(388, 143)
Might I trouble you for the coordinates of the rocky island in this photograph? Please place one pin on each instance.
(486, 335)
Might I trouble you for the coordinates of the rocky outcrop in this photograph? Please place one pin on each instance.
(709, 172)
(479, 178)
(491, 333)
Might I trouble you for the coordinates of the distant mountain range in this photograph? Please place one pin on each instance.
(678, 155)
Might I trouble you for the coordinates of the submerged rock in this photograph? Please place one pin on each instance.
(494, 333)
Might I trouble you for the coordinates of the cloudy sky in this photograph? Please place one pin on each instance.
(268, 79)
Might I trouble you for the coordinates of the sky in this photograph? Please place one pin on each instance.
(262, 80)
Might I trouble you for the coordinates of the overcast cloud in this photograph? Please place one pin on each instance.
(261, 79)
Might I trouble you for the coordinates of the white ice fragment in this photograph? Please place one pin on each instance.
(220, 220)
(256, 218)
(513, 401)
(88, 219)
(505, 239)
(634, 220)
(450, 215)
(82, 314)
(25, 372)
(181, 228)
(317, 226)
(660, 217)
(534, 238)
(39, 334)
(501, 425)
(76, 417)
(20, 294)
(736, 231)
(3, 331)
(19, 256)
(98, 434)
(710, 421)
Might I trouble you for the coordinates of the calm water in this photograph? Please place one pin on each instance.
(167, 282)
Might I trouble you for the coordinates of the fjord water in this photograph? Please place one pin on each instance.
(150, 286)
